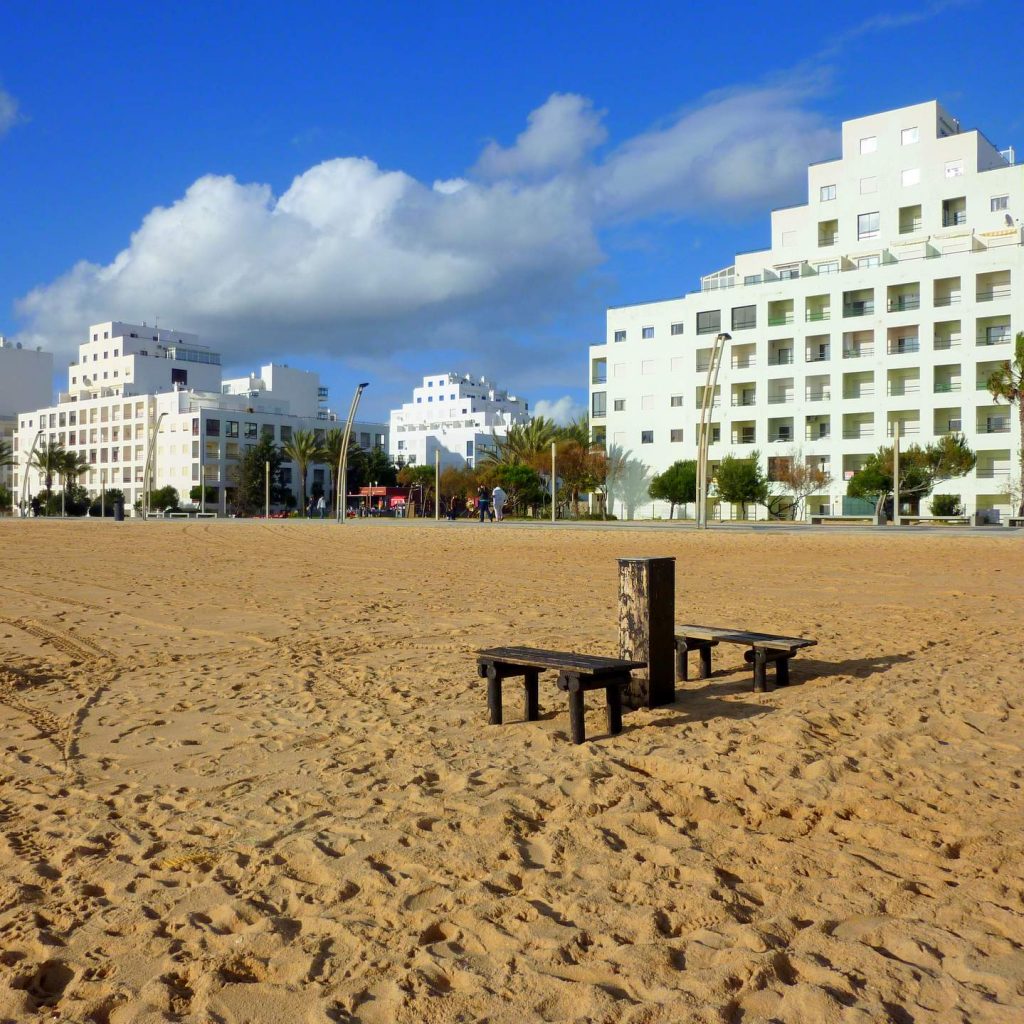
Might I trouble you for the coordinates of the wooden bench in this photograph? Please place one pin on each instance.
(834, 520)
(1015, 522)
(764, 648)
(940, 520)
(577, 673)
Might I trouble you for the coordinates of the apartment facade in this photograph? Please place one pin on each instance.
(26, 378)
(882, 305)
(456, 415)
(139, 395)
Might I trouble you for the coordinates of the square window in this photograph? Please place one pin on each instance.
(619, 405)
(744, 317)
(999, 203)
(868, 144)
(911, 176)
(867, 225)
(868, 186)
(827, 193)
(866, 262)
(620, 335)
(676, 435)
(675, 401)
(647, 437)
(832, 267)
(677, 329)
(709, 322)
(909, 136)
(646, 333)
(752, 279)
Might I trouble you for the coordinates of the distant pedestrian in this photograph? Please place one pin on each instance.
(498, 500)
(310, 507)
(321, 506)
(483, 501)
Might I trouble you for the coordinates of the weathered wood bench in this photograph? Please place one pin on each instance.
(840, 520)
(938, 520)
(764, 648)
(577, 673)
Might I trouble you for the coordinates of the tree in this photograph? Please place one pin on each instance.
(330, 452)
(49, 459)
(677, 485)
(378, 468)
(799, 478)
(420, 481)
(106, 506)
(522, 486)
(195, 494)
(303, 450)
(523, 443)
(1007, 384)
(164, 498)
(6, 454)
(6, 500)
(947, 505)
(72, 467)
(920, 470)
(742, 482)
(248, 477)
(580, 468)
(458, 485)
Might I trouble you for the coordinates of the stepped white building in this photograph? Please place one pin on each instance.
(135, 387)
(26, 378)
(455, 414)
(886, 299)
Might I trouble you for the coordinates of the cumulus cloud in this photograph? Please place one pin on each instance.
(353, 260)
(559, 135)
(8, 111)
(562, 410)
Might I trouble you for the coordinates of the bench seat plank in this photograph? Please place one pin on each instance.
(589, 664)
(718, 634)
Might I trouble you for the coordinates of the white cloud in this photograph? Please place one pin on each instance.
(358, 262)
(563, 410)
(559, 135)
(8, 111)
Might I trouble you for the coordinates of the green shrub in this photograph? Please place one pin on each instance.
(947, 505)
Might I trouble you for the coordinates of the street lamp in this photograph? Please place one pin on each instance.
(342, 484)
(706, 405)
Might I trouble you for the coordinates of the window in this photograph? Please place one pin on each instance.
(675, 401)
(469, 449)
(647, 402)
(646, 333)
(267, 430)
(999, 203)
(867, 225)
(676, 329)
(908, 136)
(790, 272)
(868, 186)
(250, 430)
(744, 317)
(868, 144)
(832, 267)
(827, 193)
(619, 405)
(647, 437)
(620, 335)
(675, 436)
(866, 262)
(709, 322)
(430, 383)
(232, 428)
(954, 168)
(213, 428)
(598, 404)
(751, 279)
(286, 434)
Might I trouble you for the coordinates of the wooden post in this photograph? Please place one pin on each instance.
(647, 613)
(577, 722)
(613, 712)
(494, 695)
(760, 667)
(896, 472)
(531, 695)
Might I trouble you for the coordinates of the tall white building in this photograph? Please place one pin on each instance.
(135, 387)
(455, 414)
(26, 378)
(887, 298)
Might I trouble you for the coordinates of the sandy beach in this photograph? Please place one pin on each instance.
(247, 777)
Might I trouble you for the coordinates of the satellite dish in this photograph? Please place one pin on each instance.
(1009, 221)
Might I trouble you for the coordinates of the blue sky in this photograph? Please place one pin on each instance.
(384, 190)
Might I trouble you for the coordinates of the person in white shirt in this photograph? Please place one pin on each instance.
(498, 499)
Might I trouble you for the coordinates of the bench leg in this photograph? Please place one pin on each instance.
(682, 661)
(782, 672)
(705, 661)
(614, 710)
(531, 698)
(760, 664)
(577, 728)
(493, 695)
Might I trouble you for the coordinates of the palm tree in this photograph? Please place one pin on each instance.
(331, 454)
(578, 430)
(303, 450)
(72, 467)
(49, 459)
(523, 444)
(1007, 383)
(6, 455)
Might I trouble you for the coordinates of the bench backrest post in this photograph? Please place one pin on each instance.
(647, 615)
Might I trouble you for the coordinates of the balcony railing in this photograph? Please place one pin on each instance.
(864, 391)
(898, 390)
(818, 396)
(780, 399)
(908, 227)
(780, 359)
(990, 472)
(858, 308)
(902, 303)
(904, 346)
(906, 429)
(780, 319)
(599, 379)
(1002, 338)
(947, 300)
(817, 357)
(827, 240)
(743, 400)
(859, 352)
(856, 433)
(774, 438)
(744, 439)
(994, 427)
(743, 362)
(811, 435)
(1002, 292)
(944, 387)
(954, 218)
(815, 315)
(945, 344)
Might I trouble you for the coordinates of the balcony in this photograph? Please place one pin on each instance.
(780, 359)
(994, 293)
(896, 389)
(994, 425)
(903, 346)
(954, 218)
(861, 391)
(742, 362)
(822, 433)
(902, 303)
(599, 378)
(993, 336)
(947, 300)
(865, 308)
(744, 401)
(907, 429)
(946, 387)
(780, 319)
(857, 433)
(860, 352)
(781, 398)
(816, 315)
(991, 472)
(783, 436)
(823, 395)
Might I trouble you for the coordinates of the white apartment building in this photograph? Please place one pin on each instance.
(886, 299)
(26, 378)
(135, 387)
(455, 414)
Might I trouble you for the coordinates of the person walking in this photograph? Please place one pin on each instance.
(321, 506)
(498, 499)
(483, 501)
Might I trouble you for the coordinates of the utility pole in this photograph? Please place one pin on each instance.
(896, 472)
(266, 488)
(553, 487)
(437, 484)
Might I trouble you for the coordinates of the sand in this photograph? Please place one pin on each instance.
(246, 777)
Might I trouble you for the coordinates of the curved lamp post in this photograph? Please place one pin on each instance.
(147, 483)
(706, 405)
(342, 483)
(28, 466)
